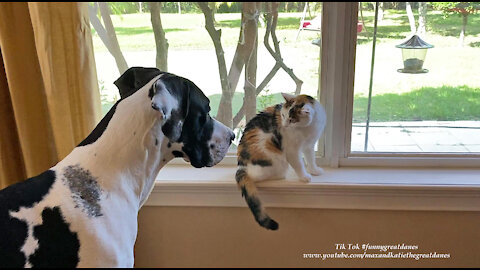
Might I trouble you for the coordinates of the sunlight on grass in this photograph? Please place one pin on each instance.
(449, 91)
(444, 103)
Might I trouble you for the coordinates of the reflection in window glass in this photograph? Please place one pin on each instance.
(424, 99)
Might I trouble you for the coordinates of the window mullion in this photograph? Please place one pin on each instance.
(337, 74)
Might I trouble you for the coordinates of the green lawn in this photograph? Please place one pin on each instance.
(449, 91)
(187, 31)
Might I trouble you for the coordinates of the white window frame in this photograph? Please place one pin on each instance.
(339, 38)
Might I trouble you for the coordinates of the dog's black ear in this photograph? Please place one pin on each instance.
(135, 78)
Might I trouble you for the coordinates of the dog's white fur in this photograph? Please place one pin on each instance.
(125, 161)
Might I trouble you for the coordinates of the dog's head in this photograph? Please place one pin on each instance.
(185, 108)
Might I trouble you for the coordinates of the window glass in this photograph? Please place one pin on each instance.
(423, 98)
(191, 52)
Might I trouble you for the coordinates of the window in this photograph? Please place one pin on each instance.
(128, 30)
(430, 118)
(431, 105)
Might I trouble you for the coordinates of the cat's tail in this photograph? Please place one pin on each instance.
(249, 191)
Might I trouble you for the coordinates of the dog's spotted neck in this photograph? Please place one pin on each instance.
(130, 152)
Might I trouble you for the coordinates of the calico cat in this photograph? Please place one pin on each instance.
(274, 138)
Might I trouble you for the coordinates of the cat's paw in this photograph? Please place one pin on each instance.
(307, 178)
(315, 171)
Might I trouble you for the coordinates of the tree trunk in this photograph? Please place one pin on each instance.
(381, 11)
(422, 18)
(97, 25)
(161, 42)
(112, 38)
(464, 27)
(140, 7)
(411, 18)
(213, 8)
(179, 8)
(271, 16)
(250, 19)
(361, 15)
(243, 51)
(224, 113)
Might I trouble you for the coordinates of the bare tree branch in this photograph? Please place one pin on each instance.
(161, 43)
(97, 25)
(271, 16)
(113, 46)
(224, 114)
(250, 15)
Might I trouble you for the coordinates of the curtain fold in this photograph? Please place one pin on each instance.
(50, 83)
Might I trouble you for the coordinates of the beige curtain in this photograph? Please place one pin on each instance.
(49, 94)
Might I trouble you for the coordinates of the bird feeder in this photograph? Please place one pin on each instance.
(414, 52)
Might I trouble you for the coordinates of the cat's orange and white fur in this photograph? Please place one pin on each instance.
(276, 137)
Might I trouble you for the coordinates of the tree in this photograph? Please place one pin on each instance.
(381, 11)
(246, 55)
(464, 9)
(411, 18)
(161, 43)
(224, 115)
(107, 33)
(213, 8)
(422, 18)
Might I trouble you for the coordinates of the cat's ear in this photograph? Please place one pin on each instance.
(288, 97)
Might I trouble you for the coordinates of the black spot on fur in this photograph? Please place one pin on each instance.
(134, 133)
(100, 128)
(177, 154)
(57, 245)
(156, 141)
(164, 160)
(277, 139)
(264, 120)
(169, 145)
(13, 232)
(261, 162)
(244, 154)
(240, 163)
(85, 190)
(240, 174)
(151, 93)
(300, 105)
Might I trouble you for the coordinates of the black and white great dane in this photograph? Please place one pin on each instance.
(83, 211)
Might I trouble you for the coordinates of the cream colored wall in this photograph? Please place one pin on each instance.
(229, 237)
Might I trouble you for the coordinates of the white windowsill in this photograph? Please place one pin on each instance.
(341, 188)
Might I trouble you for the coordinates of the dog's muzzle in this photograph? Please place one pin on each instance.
(222, 138)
